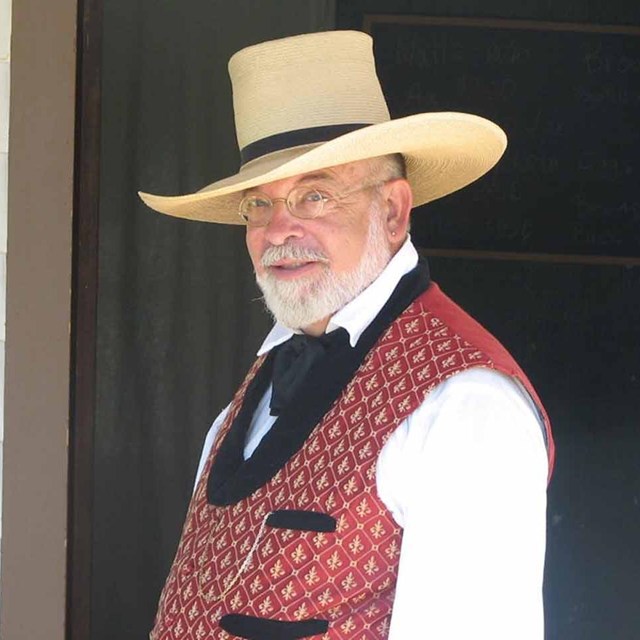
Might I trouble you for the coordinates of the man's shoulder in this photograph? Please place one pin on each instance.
(446, 318)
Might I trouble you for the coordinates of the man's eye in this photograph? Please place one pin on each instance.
(313, 195)
(258, 203)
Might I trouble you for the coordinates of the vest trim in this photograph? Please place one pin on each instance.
(253, 628)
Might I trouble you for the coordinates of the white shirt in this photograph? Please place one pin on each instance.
(465, 476)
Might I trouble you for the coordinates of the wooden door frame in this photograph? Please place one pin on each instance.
(84, 319)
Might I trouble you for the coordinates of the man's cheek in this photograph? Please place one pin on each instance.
(254, 253)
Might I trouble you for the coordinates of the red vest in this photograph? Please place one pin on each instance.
(236, 569)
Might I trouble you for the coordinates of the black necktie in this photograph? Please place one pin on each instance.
(294, 359)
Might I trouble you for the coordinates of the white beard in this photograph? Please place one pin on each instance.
(301, 302)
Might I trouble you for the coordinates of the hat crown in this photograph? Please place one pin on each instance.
(305, 83)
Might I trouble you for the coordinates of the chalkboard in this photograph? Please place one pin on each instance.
(568, 97)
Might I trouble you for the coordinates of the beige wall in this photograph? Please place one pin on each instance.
(38, 314)
(5, 39)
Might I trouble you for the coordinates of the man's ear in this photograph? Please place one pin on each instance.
(398, 202)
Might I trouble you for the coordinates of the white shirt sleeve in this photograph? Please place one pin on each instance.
(465, 476)
(208, 442)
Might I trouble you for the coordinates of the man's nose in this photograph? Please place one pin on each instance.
(283, 224)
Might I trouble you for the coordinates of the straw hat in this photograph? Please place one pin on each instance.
(313, 101)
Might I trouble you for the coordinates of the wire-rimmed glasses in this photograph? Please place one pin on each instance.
(303, 201)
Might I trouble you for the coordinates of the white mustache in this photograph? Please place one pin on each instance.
(276, 253)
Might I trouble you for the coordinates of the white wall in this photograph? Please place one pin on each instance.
(5, 38)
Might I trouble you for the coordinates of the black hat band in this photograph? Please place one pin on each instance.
(290, 139)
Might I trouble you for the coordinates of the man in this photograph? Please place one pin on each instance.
(381, 471)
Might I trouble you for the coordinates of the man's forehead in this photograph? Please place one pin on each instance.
(338, 173)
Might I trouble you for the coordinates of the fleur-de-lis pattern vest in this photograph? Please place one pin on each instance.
(305, 547)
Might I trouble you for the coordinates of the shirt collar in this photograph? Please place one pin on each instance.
(358, 314)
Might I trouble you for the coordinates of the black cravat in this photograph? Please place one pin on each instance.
(295, 358)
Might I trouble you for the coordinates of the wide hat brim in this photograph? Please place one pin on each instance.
(443, 152)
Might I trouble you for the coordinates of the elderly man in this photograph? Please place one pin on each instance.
(381, 472)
